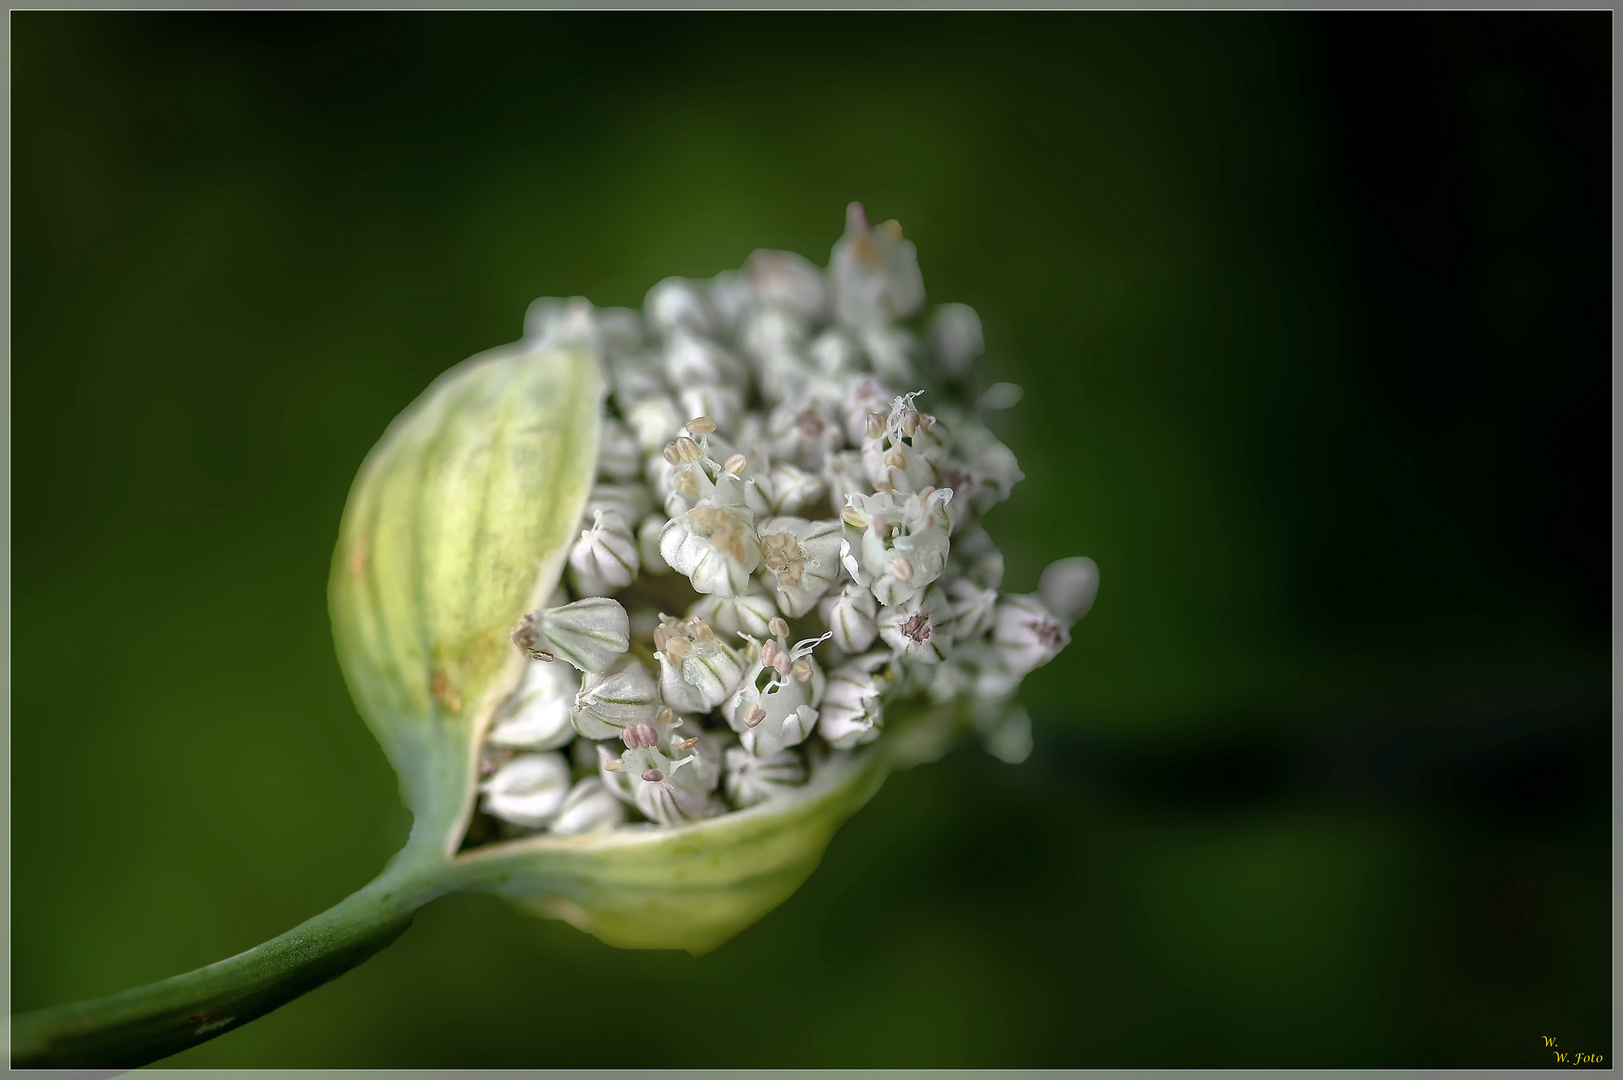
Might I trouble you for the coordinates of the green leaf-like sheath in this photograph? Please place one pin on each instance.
(457, 524)
(691, 887)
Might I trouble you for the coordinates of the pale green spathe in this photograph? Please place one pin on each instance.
(458, 523)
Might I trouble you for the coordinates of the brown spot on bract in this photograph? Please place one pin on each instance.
(201, 1017)
(445, 693)
(359, 557)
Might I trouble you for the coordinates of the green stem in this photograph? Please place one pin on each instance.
(141, 1025)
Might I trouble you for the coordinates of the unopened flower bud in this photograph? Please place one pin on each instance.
(654, 422)
(528, 790)
(895, 353)
(722, 404)
(752, 779)
(852, 713)
(588, 808)
(956, 338)
(972, 608)
(648, 545)
(625, 694)
(789, 490)
(787, 280)
(850, 615)
(1027, 634)
(677, 303)
(729, 615)
(835, 354)
(846, 477)
(589, 634)
(1008, 736)
(552, 323)
(618, 455)
(1068, 588)
(605, 556)
(691, 360)
(537, 715)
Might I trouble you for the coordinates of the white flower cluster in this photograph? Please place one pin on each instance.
(781, 541)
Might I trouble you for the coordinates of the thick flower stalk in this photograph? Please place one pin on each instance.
(787, 511)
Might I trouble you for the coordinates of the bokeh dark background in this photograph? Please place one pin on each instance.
(1312, 313)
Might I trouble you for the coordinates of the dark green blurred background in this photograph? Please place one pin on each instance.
(1312, 314)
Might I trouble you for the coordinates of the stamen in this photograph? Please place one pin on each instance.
(639, 736)
(802, 670)
(671, 455)
(876, 425)
(688, 450)
(778, 626)
(754, 716)
(653, 776)
(612, 765)
(701, 425)
(896, 459)
(689, 744)
(737, 464)
(853, 517)
(901, 569)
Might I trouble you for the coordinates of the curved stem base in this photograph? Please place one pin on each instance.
(141, 1025)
